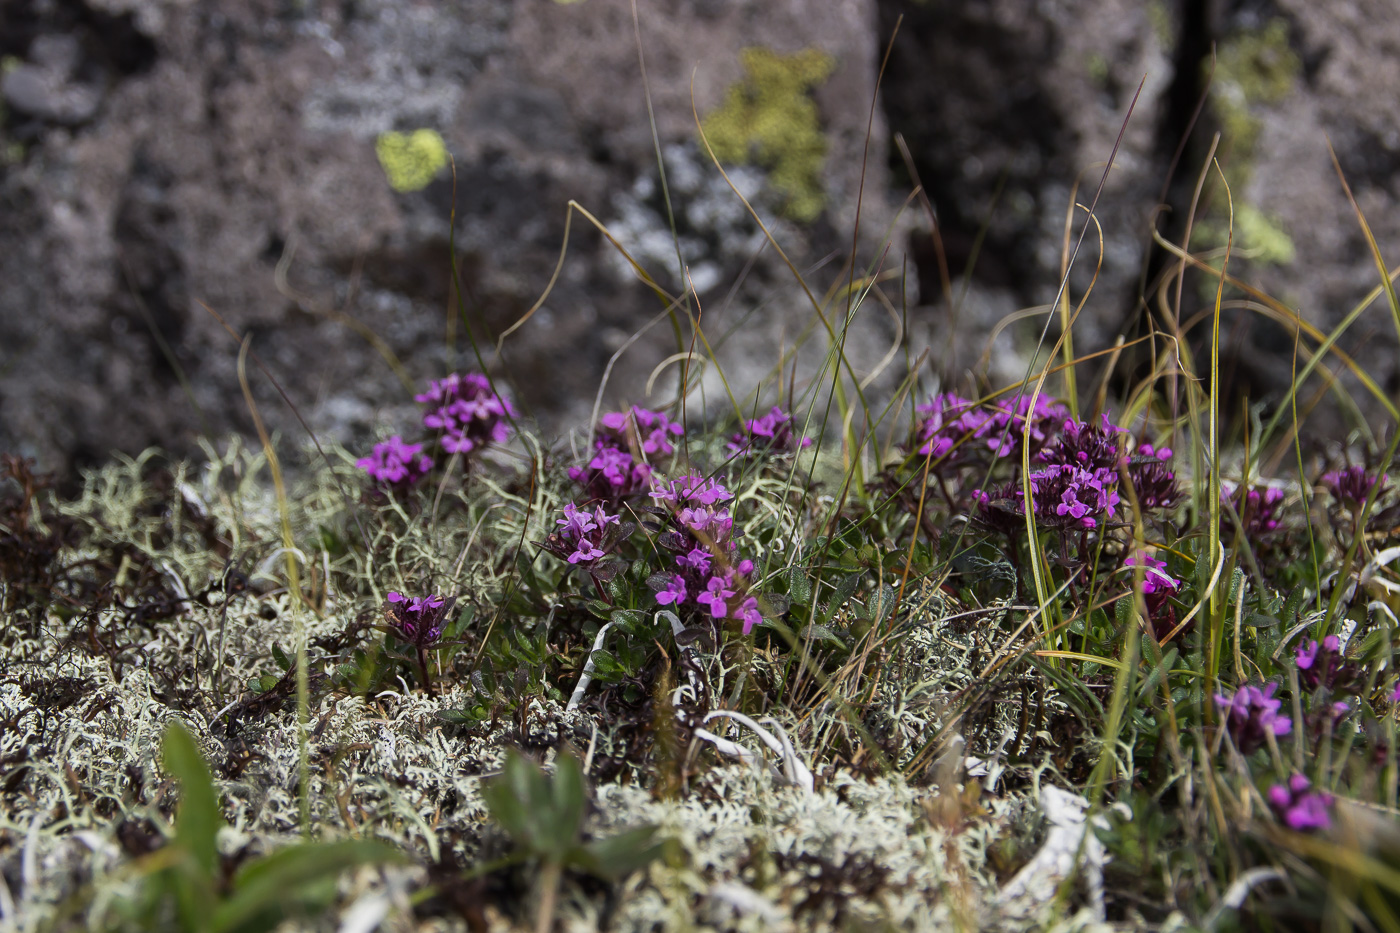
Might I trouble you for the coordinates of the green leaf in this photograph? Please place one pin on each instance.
(280, 657)
(616, 857)
(1154, 679)
(844, 588)
(799, 587)
(274, 885)
(198, 820)
(568, 799)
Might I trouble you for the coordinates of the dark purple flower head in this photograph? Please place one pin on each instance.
(612, 475)
(394, 463)
(1154, 482)
(770, 434)
(1327, 666)
(1085, 445)
(650, 430)
(1251, 714)
(466, 412)
(1157, 589)
(1066, 498)
(949, 421)
(1353, 485)
(1299, 806)
(1257, 506)
(418, 620)
(1008, 420)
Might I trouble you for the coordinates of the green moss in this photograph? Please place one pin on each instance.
(410, 160)
(1253, 69)
(1258, 237)
(769, 118)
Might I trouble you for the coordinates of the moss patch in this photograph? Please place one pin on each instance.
(410, 160)
(770, 119)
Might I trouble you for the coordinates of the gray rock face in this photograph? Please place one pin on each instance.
(236, 168)
(161, 158)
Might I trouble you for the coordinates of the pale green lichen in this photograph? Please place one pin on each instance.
(770, 119)
(411, 160)
(1254, 69)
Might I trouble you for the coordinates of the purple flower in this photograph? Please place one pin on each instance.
(394, 463)
(748, 613)
(466, 412)
(1155, 578)
(418, 620)
(584, 536)
(1325, 665)
(1395, 693)
(1299, 806)
(648, 431)
(1251, 714)
(948, 422)
(674, 591)
(698, 560)
(1257, 507)
(1353, 485)
(693, 488)
(1084, 445)
(1008, 422)
(714, 596)
(770, 434)
(613, 475)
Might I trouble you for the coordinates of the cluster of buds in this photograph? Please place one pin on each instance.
(1257, 506)
(419, 621)
(1065, 497)
(1353, 486)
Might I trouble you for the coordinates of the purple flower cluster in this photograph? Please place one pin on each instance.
(394, 463)
(418, 620)
(1299, 806)
(1155, 579)
(1066, 497)
(1087, 446)
(948, 422)
(649, 431)
(1325, 665)
(1252, 714)
(1153, 480)
(614, 473)
(1006, 423)
(770, 434)
(1353, 485)
(1157, 589)
(708, 573)
(1257, 506)
(467, 412)
(584, 532)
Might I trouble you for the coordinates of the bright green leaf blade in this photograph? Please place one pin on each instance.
(275, 881)
(198, 820)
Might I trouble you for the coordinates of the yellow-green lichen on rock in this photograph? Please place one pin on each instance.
(1253, 69)
(411, 160)
(770, 119)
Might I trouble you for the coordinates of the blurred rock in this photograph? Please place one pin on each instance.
(236, 168)
(159, 157)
